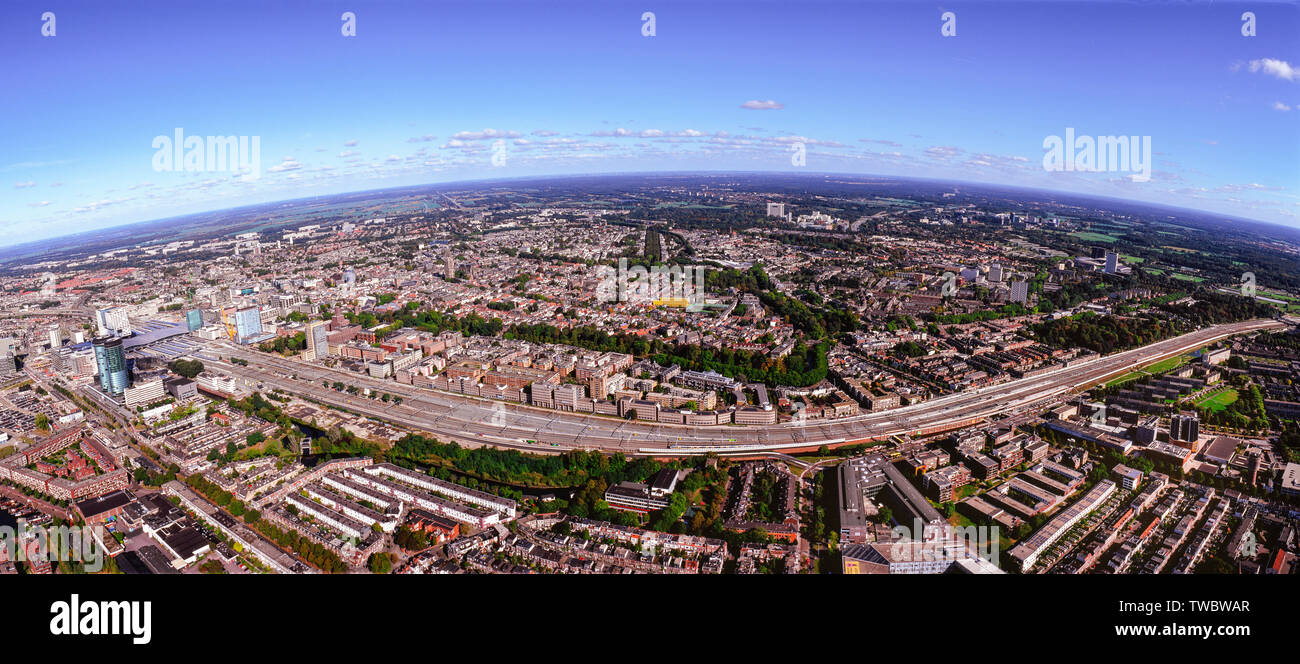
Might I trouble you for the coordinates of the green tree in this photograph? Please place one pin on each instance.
(380, 563)
(186, 368)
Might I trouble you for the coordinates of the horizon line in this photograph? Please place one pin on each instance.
(4, 248)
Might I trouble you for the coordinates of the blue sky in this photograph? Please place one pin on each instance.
(424, 89)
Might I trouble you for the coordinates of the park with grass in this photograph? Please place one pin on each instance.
(1154, 369)
(1089, 236)
(1219, 400)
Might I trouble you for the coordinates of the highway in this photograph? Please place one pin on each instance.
(477, 421)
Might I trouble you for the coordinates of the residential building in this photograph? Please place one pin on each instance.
(317, 340)
(1185, 429)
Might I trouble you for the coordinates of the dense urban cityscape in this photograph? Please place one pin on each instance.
(450, 311)
(667, 374)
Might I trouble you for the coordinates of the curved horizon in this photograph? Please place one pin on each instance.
(1294, 232)
(452, 91)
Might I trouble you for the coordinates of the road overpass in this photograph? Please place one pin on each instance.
(478, 421)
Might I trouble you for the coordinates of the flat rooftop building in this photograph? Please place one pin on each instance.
(861, 480)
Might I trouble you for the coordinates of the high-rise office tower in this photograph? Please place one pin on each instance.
(317, 340)
(248, 324)
(110, 358)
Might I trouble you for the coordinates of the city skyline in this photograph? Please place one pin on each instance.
(460, 380)
(459, 292)
(422, 95)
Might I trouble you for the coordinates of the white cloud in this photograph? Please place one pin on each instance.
(791, 140)
(350, 144)
(421, 139)
(348, 153)
(24, 185)
(1279, 106)
(289, 164)
(1279, 68)
(92, 207)
(943, 151)
(545, 132)
(39, 204)
(763, 105)
(483, 135)
(1253, 186)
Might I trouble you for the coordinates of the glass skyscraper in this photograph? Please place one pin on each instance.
(317, 340)
(110, 357)
(248, 324)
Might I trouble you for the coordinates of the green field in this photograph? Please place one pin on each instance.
(1219, 401)
(1186, 277)
(1279, 296)
(1126, 378)
(1166, 364)
(1154, 368)
(1089, 236)
(690, 206)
